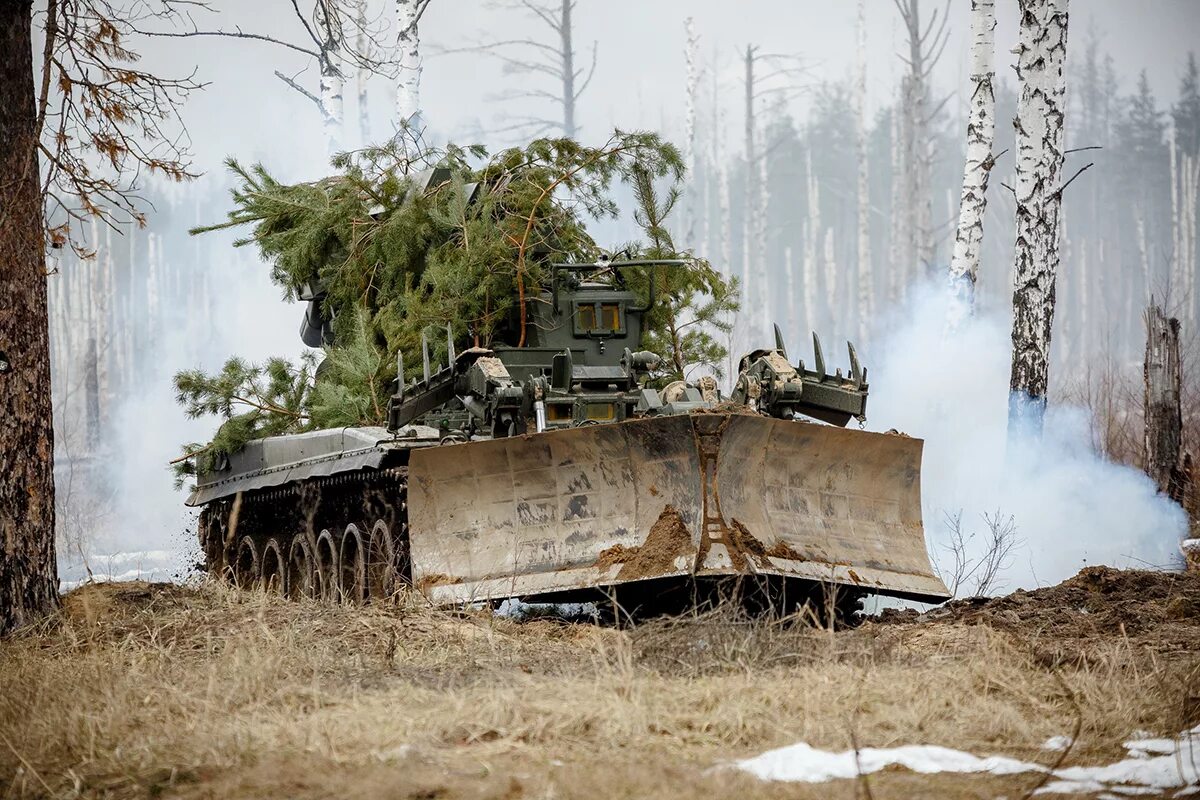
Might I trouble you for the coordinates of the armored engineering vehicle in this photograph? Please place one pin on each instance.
(554, 472)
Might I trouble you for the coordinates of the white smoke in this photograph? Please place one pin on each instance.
(1071, 507)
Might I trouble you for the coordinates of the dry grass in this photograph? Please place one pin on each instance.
(155, 690)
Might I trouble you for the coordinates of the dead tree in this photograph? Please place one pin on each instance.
(1163, 377)
(333, 34)
(532, 58)
(926, 43)
(1040, 126)
(774, 76)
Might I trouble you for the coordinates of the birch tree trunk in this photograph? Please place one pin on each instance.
(866, 297)
(981, 129)
(1041, 110)
(408, 54)
(28, 573)
(330, 93)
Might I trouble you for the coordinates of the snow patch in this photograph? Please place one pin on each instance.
(1152, 765)
(1057, 743)
(806, 764)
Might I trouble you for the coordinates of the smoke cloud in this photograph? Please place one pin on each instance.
(1071, 507)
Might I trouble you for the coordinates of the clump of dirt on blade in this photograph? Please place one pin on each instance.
(617, 554)
(436, 579)
(782, 549)
(668, 539)
(729, 407)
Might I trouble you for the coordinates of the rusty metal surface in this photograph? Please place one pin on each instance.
(704, 494)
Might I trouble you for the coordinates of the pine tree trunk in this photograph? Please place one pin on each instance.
(28, 573)
(981, 128)
(408, 48)
(1041, 110)
(1163, 376)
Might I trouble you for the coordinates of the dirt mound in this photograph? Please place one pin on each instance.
(1157, 609)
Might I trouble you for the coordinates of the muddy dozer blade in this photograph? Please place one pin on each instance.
(701, 495)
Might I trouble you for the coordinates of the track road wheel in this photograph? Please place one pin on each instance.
(273, 569)
(382, 578)
(352, 566)
(301, 570)
(246, 567)
(327, 567)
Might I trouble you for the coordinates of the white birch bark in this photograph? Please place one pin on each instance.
(1041, 109)
(331, 101)
(866, 297)
(408, 54)
(981, 129)
(363, 75)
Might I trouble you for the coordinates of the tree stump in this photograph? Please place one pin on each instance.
(1163, 459)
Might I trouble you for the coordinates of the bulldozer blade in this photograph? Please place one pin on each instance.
(565, 512)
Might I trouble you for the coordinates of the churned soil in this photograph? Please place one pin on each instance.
(1146, 608)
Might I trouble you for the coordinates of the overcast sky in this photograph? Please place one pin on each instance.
(639, 79)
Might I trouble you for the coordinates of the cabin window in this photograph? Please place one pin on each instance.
(610, 317)
(602, 412)
(605, 318)
(585, 316)
(560, 412)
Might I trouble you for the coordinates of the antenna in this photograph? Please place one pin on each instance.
(450, 345)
